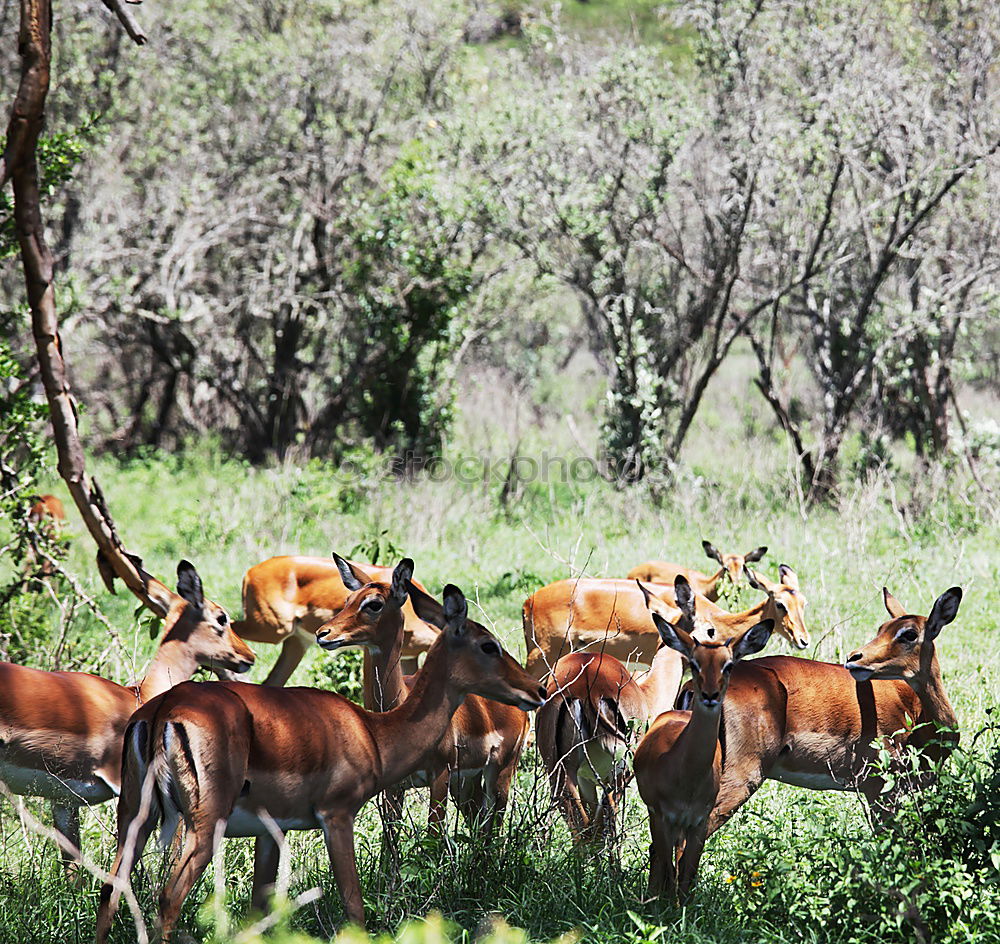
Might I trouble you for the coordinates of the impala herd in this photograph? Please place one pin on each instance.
(228, 758)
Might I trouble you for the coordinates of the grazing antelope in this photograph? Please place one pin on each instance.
(611, 616)
(61, 732)
(678, 763)
(286, 599)
(48, 513)
(47, 518)
(220, 756)
(587, 726)
(812, 723)
(731, 567)
(477, 757)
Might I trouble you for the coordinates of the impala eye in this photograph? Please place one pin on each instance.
(907, 635)
(490, 648)
(223, 619)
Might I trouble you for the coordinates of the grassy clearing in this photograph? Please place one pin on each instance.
(794, 865)
(225, 516)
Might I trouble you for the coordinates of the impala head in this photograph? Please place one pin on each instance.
(903, 648)
(785, 604)
(204, 626)
(711, 661)
(733, 564)
(478, 663)
(372, 615)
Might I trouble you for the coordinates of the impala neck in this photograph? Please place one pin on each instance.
(173, 663)
(701, 737)
(410, 731)
(710, 585)
(383, 672)
(659, 685)
(935, 708)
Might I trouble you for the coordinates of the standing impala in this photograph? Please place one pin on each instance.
(610, 616)
(731, 567)
(61, 732)
(286, 599)
(812, 723)
(221, 756)
(587, 726)
(477, 757)
(678, 764)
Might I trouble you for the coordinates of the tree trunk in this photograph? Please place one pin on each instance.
(20, 165)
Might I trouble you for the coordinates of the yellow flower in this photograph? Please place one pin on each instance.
(730, 878)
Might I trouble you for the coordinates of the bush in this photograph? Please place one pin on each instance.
(931, 874)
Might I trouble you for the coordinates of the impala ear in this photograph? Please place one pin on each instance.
(788, 577)
(426, 607)
(684, 596)
(753, 640)
(754, 579)
(893, 607)
(945, 610)
(755, 555)
(646, 595)
(189, 584)
(673, 636)
(456, 610)
(400, 581)
(347, 575)
(711, 551)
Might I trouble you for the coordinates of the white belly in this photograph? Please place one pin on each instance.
(25, 781)
(810, 781)
(246, 823)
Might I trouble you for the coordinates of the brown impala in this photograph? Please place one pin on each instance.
(227, 753)
(731, 567)
(678, 764)
(584, 731)
(610, 616)
(287, 599)
(812, 723)
(61, 732)
(477, 758)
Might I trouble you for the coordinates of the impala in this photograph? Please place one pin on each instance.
(587, 726)
(477, 757)
(286, 599)
(731, 567)
(234, 759)
(678, 764)
(812, 723)
(611, 616)
(47, 517)
(48, 512)
(61, 732)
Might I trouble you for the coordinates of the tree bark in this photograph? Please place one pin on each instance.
(20, 165)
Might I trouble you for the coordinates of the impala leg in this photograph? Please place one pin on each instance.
(196, 852)
(292, 651)
(501, 792)
(439, 801)
(266, 856)
(338, 828)
(662, 858)
(689, 860)
(391, 809)
(138, 814)
(66, 820)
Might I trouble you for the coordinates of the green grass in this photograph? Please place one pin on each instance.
(225, 516)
